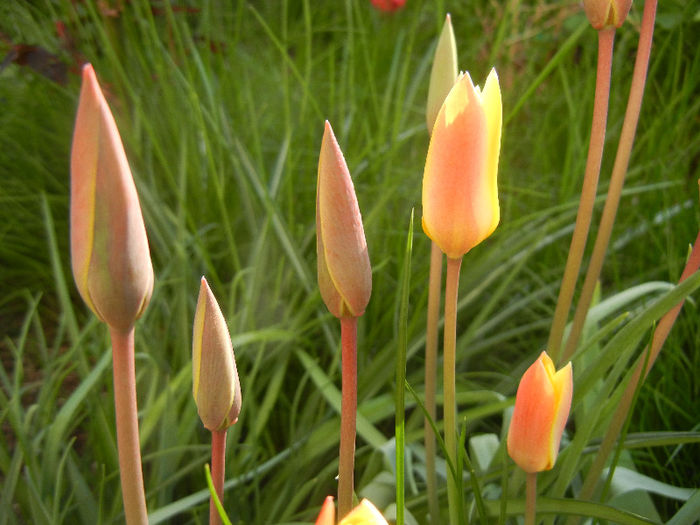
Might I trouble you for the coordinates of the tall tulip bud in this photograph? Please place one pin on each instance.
(344, 272)
(460, 192)
(606, 13)
(542, 406)
(215, 385)
(109, 249)
(443, 73)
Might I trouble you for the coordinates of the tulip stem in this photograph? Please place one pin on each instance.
(606, 38)
(218, 463)
(617, 179)
(641, 371)
(530, 498)
(449, 404)
(130, 470)
(431, 344)
(348, 414)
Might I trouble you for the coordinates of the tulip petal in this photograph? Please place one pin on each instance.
(327, 514)
(443, 74)
(493, 109)
(364, 514)
(344, 272)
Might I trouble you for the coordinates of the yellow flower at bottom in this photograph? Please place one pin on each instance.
(364, 514)
(542, 406)
(460, 192)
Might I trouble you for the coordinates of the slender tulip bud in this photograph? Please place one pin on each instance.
(443, 73)
(606, 13)
(344, 272)
(327, 514)
(215, 385)
(542, 406)
(109, 249)
(460, 192)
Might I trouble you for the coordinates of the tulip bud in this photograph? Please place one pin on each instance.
(606, 13)
(542, 406)
(460, 192)
(215, 385)
(109, 249)
(327, 514)
(443, 73)
(344, 272)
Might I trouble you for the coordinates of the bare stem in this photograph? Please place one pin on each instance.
(431, 343)
(530, 498)
(126, 410)
(449, 403)
(218, 468)
(606, 40)
(643, 366)
(348, 414)
(617, 179)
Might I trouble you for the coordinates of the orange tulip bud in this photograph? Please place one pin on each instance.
(344, 272)
(443, 73)
(460, 193)
(542, 406)
(327, 514)
(109, 249)
(606, 13)
(215, 385)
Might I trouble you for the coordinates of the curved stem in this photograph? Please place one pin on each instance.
(449, 403)
(348, 414)
(606, 40)
(431, 344)
(130, 470)
(530, 498)
(218, 468)
(617, 179)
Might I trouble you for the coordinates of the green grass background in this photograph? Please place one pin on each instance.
(221, 108)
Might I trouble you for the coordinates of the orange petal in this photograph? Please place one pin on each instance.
(344, 272)
(327, 514)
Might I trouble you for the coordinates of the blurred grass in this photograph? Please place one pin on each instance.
(221, 108)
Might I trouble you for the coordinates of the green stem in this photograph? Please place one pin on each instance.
(606, 40)
(449, 403)
(640, 373)
(530, 498)
(130, 470)
(617, 179)
(348, 414)
(218, 464)
(431, 344)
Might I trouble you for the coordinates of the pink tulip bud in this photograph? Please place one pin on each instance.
(606, 13)
(344, 272)
(109, 249)
(460, 192)
(542, 406)
(215, 385)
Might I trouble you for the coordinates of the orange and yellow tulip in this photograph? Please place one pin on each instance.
(344, 272)
(109, 249)
(364, 514)
(606, 13)
(542, 406)
(215, 385)
(460, 192)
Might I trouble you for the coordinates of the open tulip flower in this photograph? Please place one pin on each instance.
(344, 272)
(364, 514)
(542, 406)
(460, 194)
(109, 249)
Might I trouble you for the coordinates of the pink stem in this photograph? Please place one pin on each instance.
(218, 463)
(348, 414)
(126, 410)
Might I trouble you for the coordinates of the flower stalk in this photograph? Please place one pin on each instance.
(348, 414)
(218, 469)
